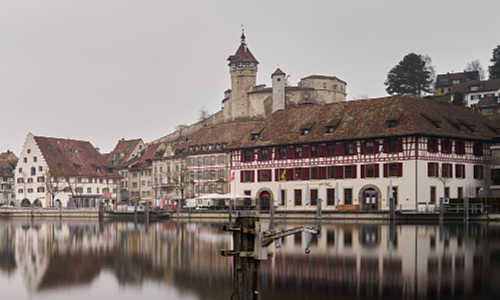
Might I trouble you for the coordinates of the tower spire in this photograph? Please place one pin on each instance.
(243, 37)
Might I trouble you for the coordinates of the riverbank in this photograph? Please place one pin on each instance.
(224, 215)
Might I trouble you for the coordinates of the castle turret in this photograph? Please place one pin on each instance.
(243, 70)
(279, 80)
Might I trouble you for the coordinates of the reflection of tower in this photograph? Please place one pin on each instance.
(32, 254)
(243, 70)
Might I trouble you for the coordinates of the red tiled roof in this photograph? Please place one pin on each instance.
(123, 146)
(73, 158)
(368, 119)
(146, 156)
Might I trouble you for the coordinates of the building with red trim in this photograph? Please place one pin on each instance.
(426, 150)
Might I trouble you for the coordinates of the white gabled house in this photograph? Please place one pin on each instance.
(53, 172)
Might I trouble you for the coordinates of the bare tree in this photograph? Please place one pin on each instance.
(475, 65)
(52, 186)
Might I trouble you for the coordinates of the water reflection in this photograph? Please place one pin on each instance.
(347, 260)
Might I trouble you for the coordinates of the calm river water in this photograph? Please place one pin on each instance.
(177, 260)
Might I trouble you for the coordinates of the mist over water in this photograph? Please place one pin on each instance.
(177, 260)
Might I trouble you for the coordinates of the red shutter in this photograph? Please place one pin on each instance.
(400, 169)
(322, 173)
(290, 152)
(429, 170)
(276, 174)
(386, 169)
(306, 151)
(354, 171)
(363, 167)
(363, 148)
(252, 176)
(376, 171)
(305, 172)
(242, 173)
(339, 172)
(386, 146)
(323, 150)
(400, 144)
(289, 174)
(339, 149)
(259, 154)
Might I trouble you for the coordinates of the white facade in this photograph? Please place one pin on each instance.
(34, 183)
(473, 98)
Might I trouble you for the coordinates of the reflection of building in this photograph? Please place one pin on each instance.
(63, 172)
(346, 260)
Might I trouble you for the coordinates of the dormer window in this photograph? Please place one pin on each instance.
(330, 129)
(392, 123)
(122, 154)
(210, 147)
(254, 136)
(304, 131)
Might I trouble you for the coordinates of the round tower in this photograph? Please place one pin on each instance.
(243, 70)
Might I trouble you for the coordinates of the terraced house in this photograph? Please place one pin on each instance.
(349, 153)
(53, 172)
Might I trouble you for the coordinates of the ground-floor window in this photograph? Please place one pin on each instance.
(330, 196)
(433, 194)
(298, 197)
(348, 196)
(283, 197)
(314, 197)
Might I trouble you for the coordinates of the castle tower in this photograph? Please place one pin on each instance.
(243, 70)
(279, 81)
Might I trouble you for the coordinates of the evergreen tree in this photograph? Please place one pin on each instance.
(411, 76)
(495, 67)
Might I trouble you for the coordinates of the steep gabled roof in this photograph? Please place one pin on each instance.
(145, 157)
(443, 80)
(362, 119)
(224, 133)
(73, 158)
(123, 146)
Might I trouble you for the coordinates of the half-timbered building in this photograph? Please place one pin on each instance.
(348, 154)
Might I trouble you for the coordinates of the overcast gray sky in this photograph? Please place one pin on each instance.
(101, 70)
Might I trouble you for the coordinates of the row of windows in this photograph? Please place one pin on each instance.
(206, 161)
(460, 193)
(209, 147)
(298, 199)
(389, 145)
(330, 172)
(210, 188)
(67, 190)
(32, 171)
(447, 170)
(447, 146)
(30, 179)
(31, 190)
(35, 159)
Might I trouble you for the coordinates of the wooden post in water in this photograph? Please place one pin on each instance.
(146, 215)
(466, 209)
(101, 211)
(245, 267)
